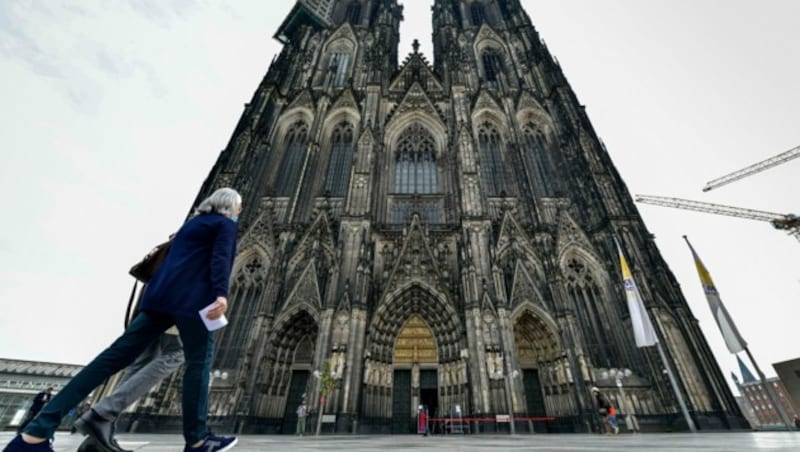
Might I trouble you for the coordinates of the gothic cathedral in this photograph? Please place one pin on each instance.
(435, 234)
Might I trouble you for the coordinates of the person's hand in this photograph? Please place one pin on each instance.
(220, 306)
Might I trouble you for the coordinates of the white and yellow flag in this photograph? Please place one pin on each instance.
(731, 335)
(643, 330)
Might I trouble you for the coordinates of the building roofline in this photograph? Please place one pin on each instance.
(298, 14)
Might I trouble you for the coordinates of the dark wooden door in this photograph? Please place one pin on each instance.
(534, 398)
(297, 387)
(429, 390)
(402, 422)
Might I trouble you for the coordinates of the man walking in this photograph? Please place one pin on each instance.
(158, 361)
(302, 411)
(606, 411)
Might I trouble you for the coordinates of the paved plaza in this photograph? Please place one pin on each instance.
(684, 442)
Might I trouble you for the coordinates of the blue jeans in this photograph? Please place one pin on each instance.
(613, 421)
(161, 359)
(198, 346)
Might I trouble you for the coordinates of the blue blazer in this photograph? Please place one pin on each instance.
(197, 268)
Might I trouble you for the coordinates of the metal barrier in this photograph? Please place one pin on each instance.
(458, 424)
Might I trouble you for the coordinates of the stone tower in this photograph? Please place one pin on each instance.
(435, 234)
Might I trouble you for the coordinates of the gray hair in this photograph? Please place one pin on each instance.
(224, 201)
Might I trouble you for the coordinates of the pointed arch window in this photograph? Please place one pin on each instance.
(245, 295)
(338, 173)
(586, 295)
(539, 163)
(492, 66)
(415, 164)
(415, 174)
(353, 14)
(493, 172)
(338, 66)
(293, 157)
(478, 12)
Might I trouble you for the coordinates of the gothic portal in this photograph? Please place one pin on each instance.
(438, 234)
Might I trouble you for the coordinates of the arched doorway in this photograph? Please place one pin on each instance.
(287, 369)
(416, 381)
(546, 379)
(414, 314)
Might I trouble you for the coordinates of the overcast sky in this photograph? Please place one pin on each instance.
(114, 112)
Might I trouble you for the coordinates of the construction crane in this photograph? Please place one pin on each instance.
(784, 222)
(753, 169)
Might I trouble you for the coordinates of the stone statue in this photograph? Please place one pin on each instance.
(498, 362)
(339, 367)
(490, 368)
(368, 373)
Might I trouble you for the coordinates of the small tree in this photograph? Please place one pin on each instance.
(327, 384)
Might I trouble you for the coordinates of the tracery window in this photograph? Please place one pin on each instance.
(431, 211)
(416, 178)
(539, 162)
(341, 157)
(492, 66)
(493, 172)
(292, 163)
(338, 68)
(478, 12)
(586, 294)
(245, 296)
(353, 14)
(415, 164)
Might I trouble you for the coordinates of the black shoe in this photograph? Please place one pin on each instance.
(19, 445)
(98, 429)
(89, 445)
(116, 444)
(214, 443)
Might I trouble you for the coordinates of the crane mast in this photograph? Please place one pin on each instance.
(785, 222)
(753, 169)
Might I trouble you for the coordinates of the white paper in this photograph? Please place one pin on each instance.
(212, 325)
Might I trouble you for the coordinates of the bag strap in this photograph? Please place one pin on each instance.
(130, 304)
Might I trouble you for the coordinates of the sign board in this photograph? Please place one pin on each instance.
(502, 418)
(328, 418)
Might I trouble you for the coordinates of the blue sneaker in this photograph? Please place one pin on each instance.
(213, 443)
(18, 445)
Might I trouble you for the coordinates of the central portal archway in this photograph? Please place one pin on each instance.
(416, 381)
(413, 357)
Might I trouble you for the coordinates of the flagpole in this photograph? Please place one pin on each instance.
(676, 389)
(770, 393)
(733, 339)
(646, 316)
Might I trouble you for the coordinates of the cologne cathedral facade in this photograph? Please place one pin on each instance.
(438, 234)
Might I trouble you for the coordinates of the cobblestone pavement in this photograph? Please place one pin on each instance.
(683, 442)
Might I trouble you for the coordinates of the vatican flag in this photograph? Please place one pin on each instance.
(731, 335)
(643, 330)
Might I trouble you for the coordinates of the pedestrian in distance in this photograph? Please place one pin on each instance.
(606, 411)
(194, 275)
(302, 412)
(39, 401)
